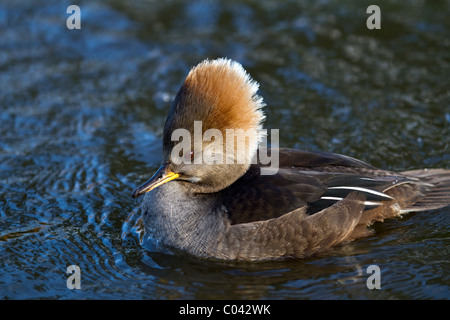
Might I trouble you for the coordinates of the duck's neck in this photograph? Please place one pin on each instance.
(175, 217)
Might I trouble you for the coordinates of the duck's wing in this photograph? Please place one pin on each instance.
(295, 234)
(336, 198)
(310, 180)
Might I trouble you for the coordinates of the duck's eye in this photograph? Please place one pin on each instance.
(188, 156)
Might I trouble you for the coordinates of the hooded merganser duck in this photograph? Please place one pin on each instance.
(230, 210)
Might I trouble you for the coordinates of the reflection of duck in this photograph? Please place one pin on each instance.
(231, 211)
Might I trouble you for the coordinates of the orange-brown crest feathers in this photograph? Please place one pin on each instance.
(221, 95)
(225, 95)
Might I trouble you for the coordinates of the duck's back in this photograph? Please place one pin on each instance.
(317, 180)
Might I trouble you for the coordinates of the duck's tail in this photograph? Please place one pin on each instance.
(435, 189)
(424, 190)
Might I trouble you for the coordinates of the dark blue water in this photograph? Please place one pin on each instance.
(82, 113)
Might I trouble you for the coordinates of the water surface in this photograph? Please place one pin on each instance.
(82, 113)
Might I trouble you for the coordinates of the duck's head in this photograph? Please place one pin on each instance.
(213, 128)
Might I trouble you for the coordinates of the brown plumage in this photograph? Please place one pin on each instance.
(231, 211)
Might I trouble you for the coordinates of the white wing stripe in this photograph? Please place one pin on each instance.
(364, 190)
(331, 198)
(367, 203)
